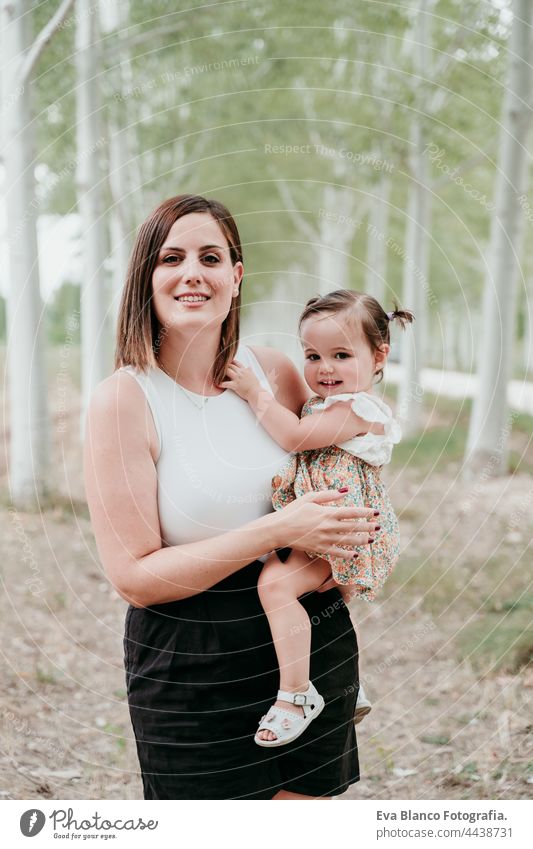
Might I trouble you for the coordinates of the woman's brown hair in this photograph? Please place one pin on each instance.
(373, 319)
(139, 331)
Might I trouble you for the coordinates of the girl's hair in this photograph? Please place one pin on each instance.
(373, 319)
(139, 331)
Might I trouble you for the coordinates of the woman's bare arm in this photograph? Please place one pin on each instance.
(121, 488)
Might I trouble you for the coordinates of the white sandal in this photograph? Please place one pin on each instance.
(363, 706)
(286, 725)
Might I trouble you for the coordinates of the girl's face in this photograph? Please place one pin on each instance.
(338, 358)
(194, 281)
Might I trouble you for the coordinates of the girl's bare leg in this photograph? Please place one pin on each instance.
(287, 794)
(280, 585)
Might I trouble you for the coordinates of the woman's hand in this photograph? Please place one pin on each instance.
(241, 380)
(313, 523)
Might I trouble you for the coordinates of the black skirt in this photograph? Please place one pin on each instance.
(200, 674)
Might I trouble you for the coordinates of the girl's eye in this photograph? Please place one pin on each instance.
(211, 259)
(342, 355)
(313, 357)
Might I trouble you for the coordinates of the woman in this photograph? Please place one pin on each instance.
(178, 481)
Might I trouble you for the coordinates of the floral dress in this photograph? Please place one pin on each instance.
(357, 465)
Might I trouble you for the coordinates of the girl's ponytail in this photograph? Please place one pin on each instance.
(405, 317)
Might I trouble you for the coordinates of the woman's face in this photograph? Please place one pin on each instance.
(194, 281)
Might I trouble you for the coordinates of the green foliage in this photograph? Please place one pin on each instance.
(63, 315)
(53, 94)
(499, 640)
(232, 99)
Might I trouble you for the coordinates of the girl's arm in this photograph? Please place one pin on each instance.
(333, 426)
(121, 489)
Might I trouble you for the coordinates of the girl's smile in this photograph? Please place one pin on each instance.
(338, 359)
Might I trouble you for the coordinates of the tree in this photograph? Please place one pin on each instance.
(90, 190)
(417, 229)
(489, 427)
(28, 412)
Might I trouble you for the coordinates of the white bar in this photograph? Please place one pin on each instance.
(357, 824)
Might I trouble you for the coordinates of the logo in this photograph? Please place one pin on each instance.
(32, 822)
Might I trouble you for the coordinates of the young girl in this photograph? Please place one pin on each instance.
(344, 437)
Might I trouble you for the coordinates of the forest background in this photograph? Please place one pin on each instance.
(379, 146)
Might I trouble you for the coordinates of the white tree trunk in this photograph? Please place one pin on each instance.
(416, 259)
(89, 179)
(27, 378)
(114, 18)
(467, 327)
(527, 351)
(120, 224)
(489, 426)
(448, 334)
(377, 232)
(337, 229)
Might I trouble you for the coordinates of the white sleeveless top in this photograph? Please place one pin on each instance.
(215, 463)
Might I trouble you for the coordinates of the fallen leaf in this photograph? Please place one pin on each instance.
(403, 773)
(436, 740)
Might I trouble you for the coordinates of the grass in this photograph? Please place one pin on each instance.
(491, 601)
(444, 442)
(44, 677)
(434, 449)
(116, 731)
(497, 641)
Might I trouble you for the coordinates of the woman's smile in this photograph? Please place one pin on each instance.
(193, 300)
(194, 270)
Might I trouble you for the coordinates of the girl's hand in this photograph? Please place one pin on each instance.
(241, 380)
(313, 523)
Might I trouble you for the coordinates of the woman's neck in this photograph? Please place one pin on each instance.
(190, 361)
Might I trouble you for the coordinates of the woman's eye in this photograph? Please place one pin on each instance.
(171, 258)
(211, 259)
